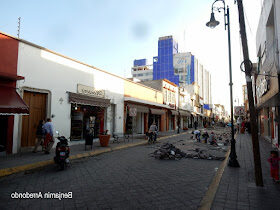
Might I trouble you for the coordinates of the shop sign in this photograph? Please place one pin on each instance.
(182, 66)
(87, 90)
(132, 111)
(239, 110)
(262, 87)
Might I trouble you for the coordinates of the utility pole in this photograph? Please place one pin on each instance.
(18, 31)
(253, 120)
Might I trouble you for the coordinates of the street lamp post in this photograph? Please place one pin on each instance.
(212, 24)
(179, 117)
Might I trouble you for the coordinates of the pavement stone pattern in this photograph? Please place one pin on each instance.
(123, 179)
(23, 158)
(237, 189)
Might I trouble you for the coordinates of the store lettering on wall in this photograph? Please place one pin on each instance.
(263, 86)
(87, 90)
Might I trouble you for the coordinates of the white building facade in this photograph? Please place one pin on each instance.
(267, 79)
(76, 96)
(141, 70)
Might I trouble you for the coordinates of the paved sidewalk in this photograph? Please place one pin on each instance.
(25, 158)
(237, 189)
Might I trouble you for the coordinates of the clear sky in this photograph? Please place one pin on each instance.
(110, 34)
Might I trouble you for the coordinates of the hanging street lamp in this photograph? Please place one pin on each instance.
(233, 162)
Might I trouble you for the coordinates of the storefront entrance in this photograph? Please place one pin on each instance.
(3, 131)
(155, 118)
(84, 119)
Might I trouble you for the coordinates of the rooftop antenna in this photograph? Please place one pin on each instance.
(18, 31)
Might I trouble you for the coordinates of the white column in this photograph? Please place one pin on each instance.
(16, 135)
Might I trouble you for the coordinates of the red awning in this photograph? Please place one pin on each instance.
(11, 103)
(10, 77)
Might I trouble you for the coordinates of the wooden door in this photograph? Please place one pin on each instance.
(37, 111)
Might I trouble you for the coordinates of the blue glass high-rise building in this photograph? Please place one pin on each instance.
(163, 63)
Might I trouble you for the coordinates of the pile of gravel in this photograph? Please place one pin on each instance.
(202, 154)
(168, 152)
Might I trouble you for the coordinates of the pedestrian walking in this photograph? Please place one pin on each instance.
(212, 139)
(39, 135)
(274, 165)
(205, 137)
(153, 130)
(49, 139)
(197, 135)
(242, 127)
(239, 121)
(195, 125)
(248, 126)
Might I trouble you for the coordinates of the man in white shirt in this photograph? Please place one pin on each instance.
(49, 140)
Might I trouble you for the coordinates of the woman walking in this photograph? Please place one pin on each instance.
(39, 135)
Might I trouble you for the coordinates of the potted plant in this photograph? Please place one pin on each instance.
(104, 138)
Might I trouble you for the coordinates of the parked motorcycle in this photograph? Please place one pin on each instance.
(62, 152)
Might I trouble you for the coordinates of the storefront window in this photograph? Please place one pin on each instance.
(86, 119)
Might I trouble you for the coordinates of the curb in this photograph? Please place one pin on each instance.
(209, 196)
(17, 169)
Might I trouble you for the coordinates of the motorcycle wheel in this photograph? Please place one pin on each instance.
(62, 165)
(153, 139)
(150, 140)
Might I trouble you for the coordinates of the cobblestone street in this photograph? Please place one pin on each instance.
(124, 179)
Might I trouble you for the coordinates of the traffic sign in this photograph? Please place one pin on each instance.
(132, 111)
(239, 110)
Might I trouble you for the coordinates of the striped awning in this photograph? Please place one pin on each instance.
(76, 98)
(157, 111)
(139, 108)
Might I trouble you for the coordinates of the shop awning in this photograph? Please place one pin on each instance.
(174, 112)
(157, 111)
(76, 98)
(272, 102)
(145, 102)
(11, 103)
(185, 113)
(139, 108)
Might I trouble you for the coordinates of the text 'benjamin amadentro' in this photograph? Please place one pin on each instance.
(40, 195)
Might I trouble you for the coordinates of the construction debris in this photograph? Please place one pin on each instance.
(169, 152)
